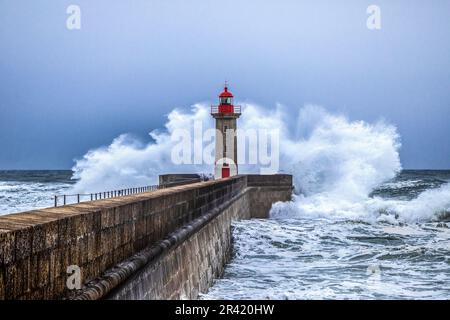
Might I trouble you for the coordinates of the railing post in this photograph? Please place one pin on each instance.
(56, 201)
(64, 197)
(92, 197)
(78, 198)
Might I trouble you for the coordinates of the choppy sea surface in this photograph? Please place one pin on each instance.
(393, 245)
(362, 255)
(22, 190)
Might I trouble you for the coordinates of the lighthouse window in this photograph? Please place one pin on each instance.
(225, 100)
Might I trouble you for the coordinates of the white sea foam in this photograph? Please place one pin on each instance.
(336, 163)
(128, 162)
(18, 196)
(403, 184)
(433, 204)
(326, 259)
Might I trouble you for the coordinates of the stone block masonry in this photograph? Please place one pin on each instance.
(165, 244)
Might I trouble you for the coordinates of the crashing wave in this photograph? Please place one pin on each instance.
(336, 163)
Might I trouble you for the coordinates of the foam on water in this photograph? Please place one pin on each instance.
(23, 190)
(356, 228)
(336, 163)
(324, 259)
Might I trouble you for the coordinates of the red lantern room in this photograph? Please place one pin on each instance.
(226, 101)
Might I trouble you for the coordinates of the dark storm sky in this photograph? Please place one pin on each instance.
(63, 92)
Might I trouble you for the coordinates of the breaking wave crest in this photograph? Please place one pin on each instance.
(337, 164)
(129, 162)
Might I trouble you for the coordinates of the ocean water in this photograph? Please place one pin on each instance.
(393, 244)
(377, 252)
(24, 190)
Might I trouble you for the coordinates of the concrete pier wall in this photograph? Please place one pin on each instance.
(191, 264)
(168, 243)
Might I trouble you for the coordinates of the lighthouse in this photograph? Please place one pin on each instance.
(226, 115)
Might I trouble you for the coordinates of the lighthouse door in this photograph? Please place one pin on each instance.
(225, 172)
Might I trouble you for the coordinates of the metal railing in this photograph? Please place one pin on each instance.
(236, 109)
(80, 197)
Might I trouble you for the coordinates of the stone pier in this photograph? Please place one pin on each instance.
(165, 244)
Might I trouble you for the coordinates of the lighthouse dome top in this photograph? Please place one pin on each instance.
(225, 93)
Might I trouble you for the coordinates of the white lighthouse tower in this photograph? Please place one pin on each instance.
(226, 115)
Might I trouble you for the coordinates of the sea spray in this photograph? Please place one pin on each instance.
(128, 162)
(336, 164)
(430, 205)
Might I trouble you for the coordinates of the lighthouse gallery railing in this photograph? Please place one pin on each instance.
(236, 109)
